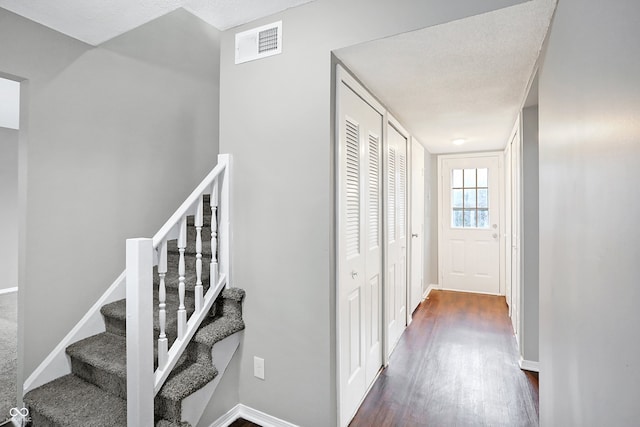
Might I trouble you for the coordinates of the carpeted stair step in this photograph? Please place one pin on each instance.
(165, 423)
(171, 280)
(70, 401)
(230, 305)
(115, 315)
(172, 245)
(212, 330)
(98, 378)
(102, 361)
(182, 382)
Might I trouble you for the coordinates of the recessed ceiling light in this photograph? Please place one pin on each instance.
(458, 141)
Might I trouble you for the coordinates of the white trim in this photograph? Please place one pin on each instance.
(529, 365)
(8, 290)
(228, 418)
(250, 414)
(342, 75)
(464, 291)
(433, 286)
(57, 363)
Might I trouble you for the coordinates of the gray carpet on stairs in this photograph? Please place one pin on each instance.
(95, 393)
(8, 356)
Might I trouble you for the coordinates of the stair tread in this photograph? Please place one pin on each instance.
(70, 401)
(218, 329)
(104, 351)
(186, 380)
(118, 309)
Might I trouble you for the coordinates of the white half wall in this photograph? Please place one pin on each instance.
(589, 105)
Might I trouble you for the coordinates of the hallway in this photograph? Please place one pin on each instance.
(455, 365)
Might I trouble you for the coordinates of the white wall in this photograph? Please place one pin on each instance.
(276, 120)
(589, 104)
(530, 231)
(115, 137)
(8, 208)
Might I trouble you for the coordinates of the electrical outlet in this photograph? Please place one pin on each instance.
(258, 367)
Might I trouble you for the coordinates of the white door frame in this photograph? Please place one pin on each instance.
(421, 232)
(514, 214)
(441, 248)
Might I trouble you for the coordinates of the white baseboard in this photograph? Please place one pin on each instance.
(250, 414)
(529, 365)
(470, 292)
(8, 290)
(429, 289)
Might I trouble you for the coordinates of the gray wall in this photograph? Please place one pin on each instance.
(530, 247)
(8, 208)
(275, 119)
(589, 208)
(112, 140)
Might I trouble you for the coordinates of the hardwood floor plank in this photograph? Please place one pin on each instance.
(455, 365)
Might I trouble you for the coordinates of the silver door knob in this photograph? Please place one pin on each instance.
(354, 274)
(495, 235)
(414, 234)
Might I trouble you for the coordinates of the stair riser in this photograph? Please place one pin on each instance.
(172, 246)
(229, 308)
(168, 409)
(199, 353)
(108, 382)
(171, 279)
(39, 420)
(118, 325)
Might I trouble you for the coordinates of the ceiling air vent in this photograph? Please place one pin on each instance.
(259, 42)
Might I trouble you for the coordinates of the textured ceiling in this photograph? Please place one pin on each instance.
(463, 79)
(97, 21)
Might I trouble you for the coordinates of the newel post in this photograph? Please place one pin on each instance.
(140, 332)
(225, 218)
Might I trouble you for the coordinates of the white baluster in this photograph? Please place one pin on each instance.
(199, 290)
(214, 233)
(182, 312)
(163, 343)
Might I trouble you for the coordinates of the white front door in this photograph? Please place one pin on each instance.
(470, 222)
(396, 207)
(359, 246)
(417, 224)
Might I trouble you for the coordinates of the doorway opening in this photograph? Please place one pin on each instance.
(9, 220)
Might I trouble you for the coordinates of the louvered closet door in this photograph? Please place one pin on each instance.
(359, 248)
(396, 207)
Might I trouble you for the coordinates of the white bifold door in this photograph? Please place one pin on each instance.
(396, 257)
(359, 246)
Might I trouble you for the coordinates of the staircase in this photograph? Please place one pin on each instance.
(95, 392)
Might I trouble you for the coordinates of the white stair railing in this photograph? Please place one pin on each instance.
(142, 255)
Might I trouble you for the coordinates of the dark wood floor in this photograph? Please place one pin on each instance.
(456, 365)
(243, 423)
